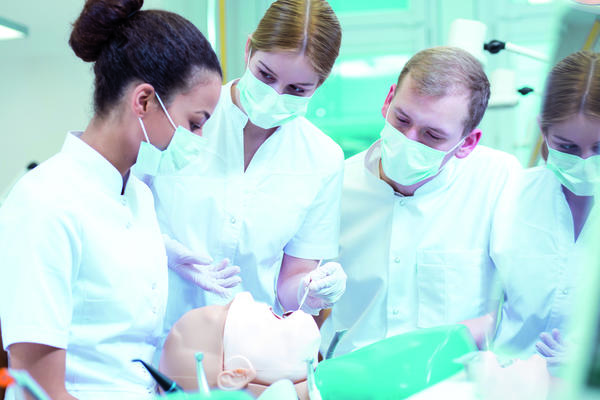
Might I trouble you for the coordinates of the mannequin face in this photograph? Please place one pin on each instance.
(244, 345)
(277, 347)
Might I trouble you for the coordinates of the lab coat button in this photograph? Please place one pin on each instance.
(401, 201)
(397, 260)
(565, 291)
(123, 200)
(128, 225)
(395, 311)
(233, 220)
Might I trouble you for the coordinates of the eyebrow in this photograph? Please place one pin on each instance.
(267, 68)
(563, 139)
(275, 75)
(206, 113)
(438, 130)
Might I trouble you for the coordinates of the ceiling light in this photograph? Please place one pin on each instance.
(11, 30)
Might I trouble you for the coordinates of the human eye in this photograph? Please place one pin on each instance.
(402, 120)
(196, 126)
(568, 147)
(267, 76)
(433, 136)
(296, 90)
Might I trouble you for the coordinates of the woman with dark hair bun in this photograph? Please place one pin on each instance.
(84, 267)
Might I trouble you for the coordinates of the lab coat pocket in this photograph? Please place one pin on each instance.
(452, 286)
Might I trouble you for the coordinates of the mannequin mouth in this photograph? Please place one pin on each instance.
(284, 315)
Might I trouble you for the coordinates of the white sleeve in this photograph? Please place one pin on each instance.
(40, 250)
(318, 236)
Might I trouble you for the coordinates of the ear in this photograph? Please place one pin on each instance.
(469, 144)
(388, 100)
(140, 99)
(238, 376)
(247, 50)
(543, 146)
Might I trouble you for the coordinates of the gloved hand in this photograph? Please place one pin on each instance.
(552, 347)
(326, 284)
(201, 270)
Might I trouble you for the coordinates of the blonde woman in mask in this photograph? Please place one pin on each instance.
(543, 221)
(265, 194)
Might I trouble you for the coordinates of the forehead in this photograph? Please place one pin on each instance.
(448, 112)
(578, 129)
(287, 65)
(205, 90)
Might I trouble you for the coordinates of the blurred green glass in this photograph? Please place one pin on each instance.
(396, 367)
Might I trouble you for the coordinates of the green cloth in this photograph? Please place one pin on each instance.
(396, 367)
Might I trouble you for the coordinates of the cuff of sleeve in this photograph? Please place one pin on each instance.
(33, 334)
(311, 252)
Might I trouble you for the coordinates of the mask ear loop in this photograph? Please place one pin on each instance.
(144, 130)
(165, 110)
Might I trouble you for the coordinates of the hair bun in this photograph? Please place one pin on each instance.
(97, 23)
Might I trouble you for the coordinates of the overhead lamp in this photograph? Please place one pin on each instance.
(469, 35)
(11, 30)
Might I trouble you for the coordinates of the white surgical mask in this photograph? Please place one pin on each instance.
(407, 161)
(581, 176)
(184, 147)
(265, 107)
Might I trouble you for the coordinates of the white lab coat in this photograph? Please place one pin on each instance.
(537, 257)
(419, 261)
(287, 201)
(84, 269)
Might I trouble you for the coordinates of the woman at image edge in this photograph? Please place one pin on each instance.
(265, 194)
(543, 221)
(84, 268)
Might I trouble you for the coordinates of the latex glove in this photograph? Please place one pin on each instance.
(552, 347)
(200, 269)
(326, 284)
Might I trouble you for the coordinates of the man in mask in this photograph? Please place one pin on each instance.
(417, 207)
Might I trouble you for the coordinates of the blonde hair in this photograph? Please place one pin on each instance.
(573, 87)
(443, 70)
(307, 26)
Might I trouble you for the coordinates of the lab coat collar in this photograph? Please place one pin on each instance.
(94, 164)
(440, 182)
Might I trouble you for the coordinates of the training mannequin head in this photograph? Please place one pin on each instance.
(245, 345)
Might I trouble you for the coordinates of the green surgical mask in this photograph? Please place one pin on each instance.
(407, 161)
(185, 147)
(265, 107)
(580, 175)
